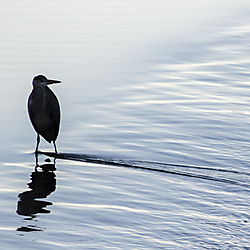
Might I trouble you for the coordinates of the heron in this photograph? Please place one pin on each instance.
(44, 110)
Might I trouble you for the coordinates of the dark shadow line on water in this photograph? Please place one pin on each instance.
(134, 164)
(197, 167)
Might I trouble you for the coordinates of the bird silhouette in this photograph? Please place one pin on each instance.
(44, 110)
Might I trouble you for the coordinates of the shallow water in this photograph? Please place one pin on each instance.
(154, 148)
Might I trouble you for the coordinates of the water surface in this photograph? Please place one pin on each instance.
(154, 148)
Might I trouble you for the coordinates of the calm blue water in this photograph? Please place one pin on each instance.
(154, 139)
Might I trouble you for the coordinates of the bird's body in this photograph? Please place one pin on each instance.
(44, 110)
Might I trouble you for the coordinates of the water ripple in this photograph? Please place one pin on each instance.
(230, 176)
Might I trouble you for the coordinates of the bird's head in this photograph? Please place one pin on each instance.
(41, 80)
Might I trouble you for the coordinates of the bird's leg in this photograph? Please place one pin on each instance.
(55, 146)
(36, 152)
(55, 161)
(55, 152)
(36, 156)
(38, 141)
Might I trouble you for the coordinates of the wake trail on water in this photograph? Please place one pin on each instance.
(230, 176)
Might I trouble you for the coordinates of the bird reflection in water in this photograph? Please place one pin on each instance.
(43, 183)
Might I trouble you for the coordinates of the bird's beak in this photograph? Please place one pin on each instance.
(52, 81)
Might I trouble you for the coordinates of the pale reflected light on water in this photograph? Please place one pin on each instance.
(154, 139)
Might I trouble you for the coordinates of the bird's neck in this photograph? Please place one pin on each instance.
(44, 88)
